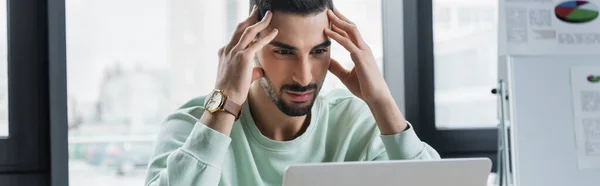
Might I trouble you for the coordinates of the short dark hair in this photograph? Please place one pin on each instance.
(300, 7)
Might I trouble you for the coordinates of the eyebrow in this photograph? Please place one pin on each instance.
(326, 43)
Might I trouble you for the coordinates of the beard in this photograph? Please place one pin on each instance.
(276, 97)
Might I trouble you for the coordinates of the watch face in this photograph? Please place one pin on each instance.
(214, 101)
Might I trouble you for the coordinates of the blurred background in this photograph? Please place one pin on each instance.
(130, 63)
(129, 66)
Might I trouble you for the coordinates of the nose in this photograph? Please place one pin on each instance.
(302, 72)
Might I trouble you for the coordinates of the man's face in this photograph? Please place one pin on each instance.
(296, 61)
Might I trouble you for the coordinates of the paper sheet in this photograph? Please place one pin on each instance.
(585, 82)
(549, 27)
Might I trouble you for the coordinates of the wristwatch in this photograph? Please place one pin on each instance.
(218, 101)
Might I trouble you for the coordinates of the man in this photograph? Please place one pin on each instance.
(259, 120)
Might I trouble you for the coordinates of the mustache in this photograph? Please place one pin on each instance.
(298, 87)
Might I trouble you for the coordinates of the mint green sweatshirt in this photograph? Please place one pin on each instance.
(342, 128)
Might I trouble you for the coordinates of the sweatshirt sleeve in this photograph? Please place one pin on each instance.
(187, 152)
(405, 145)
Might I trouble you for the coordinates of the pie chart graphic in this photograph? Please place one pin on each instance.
(593, 78)
(576, 11)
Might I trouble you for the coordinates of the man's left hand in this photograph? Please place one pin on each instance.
(364, 80)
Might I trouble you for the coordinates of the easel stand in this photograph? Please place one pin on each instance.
(503, 161)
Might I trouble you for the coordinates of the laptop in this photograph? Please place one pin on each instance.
(459, 172)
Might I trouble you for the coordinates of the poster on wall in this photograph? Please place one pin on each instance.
(585, 83)
(549, 27)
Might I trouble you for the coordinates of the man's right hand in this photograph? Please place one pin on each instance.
(235, 73)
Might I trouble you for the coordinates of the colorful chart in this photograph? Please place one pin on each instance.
(576, 11)
(593, 79)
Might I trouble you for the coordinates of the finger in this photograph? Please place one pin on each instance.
(337, 69)
(347, 27)
(344, 41)
(343, 33)
(240, 29)
(342, 17)
(251, 32)
(221, 51)
(253, 15)
(257, 73)
(340, 31)
(335, 20)
(262, 42)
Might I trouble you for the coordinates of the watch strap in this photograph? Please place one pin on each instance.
(233, 108)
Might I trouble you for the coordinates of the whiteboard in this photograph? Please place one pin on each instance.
(533, 27)
(542, 131)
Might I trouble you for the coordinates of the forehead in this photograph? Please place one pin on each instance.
(303, 32)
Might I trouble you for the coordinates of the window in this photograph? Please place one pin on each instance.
(465, 17)
(465, 64)
(3, 71)
(442, 17)
(131, 63)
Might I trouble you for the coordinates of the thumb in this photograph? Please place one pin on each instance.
(337, 69)
(257, 73)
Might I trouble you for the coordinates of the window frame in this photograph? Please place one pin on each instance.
(25, 148)
(420, 88)
(57, 80)
(35, 150)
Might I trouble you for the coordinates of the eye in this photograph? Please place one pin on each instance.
(319, 51)
(283, 52)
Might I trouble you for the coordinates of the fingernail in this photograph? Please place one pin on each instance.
(254, 7)
(266, 14)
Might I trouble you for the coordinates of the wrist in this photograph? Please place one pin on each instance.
(379, 101)
(235, 96)
(388, 116)
(220, 121)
